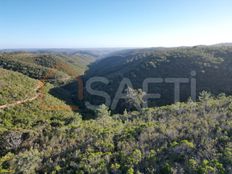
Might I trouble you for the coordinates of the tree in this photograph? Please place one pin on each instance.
(135, 98)
(205, 96)
(103, 111)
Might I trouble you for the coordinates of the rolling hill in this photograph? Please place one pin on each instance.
(47, 135)
(26, 101)
(45, 65)
(15, 86)
(211, 66)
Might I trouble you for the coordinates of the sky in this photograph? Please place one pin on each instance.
(113, 23)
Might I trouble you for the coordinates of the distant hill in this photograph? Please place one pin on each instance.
(90, 53)
(212, 65)
(45, 65)
(223, 44)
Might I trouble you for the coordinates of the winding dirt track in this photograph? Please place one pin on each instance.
(37, 89)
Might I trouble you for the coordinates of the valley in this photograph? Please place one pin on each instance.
(208, 66)
(115, 87)
(46, 128)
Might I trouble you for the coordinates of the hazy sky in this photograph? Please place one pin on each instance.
(113, 23)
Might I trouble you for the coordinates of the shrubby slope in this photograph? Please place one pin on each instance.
(181, 138)
(45, 65)
(15, 86)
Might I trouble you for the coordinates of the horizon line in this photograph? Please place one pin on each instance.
(86, 48)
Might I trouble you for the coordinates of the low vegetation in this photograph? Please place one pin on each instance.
(15, 86)
(49, 135)
(181, 138)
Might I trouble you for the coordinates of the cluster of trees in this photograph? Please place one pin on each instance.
(26, 69)
(182, 138)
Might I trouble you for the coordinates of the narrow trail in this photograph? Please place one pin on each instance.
(38, 94)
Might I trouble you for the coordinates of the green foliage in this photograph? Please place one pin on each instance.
(103, 111)
(167, 142)
(130, 171)
(115, 167)
(47, 66)
(14, 87)
(135, 98)
(27, 162)
(204, 96)
(4, 168)
(46, 136)
(167, 169)
(189, 144)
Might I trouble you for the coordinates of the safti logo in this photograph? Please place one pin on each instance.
(141, 96)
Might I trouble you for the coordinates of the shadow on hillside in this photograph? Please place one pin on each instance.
(68, 93)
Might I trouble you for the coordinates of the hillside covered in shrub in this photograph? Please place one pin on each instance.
(181, 138)
(45, 65)
(15, 86)
(211, 66)
(50, 135)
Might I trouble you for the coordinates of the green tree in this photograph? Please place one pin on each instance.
(103, 111)
(135, 98)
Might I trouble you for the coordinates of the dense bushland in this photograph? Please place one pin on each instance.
(47, 135)
(181, 138)
(15, 86)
